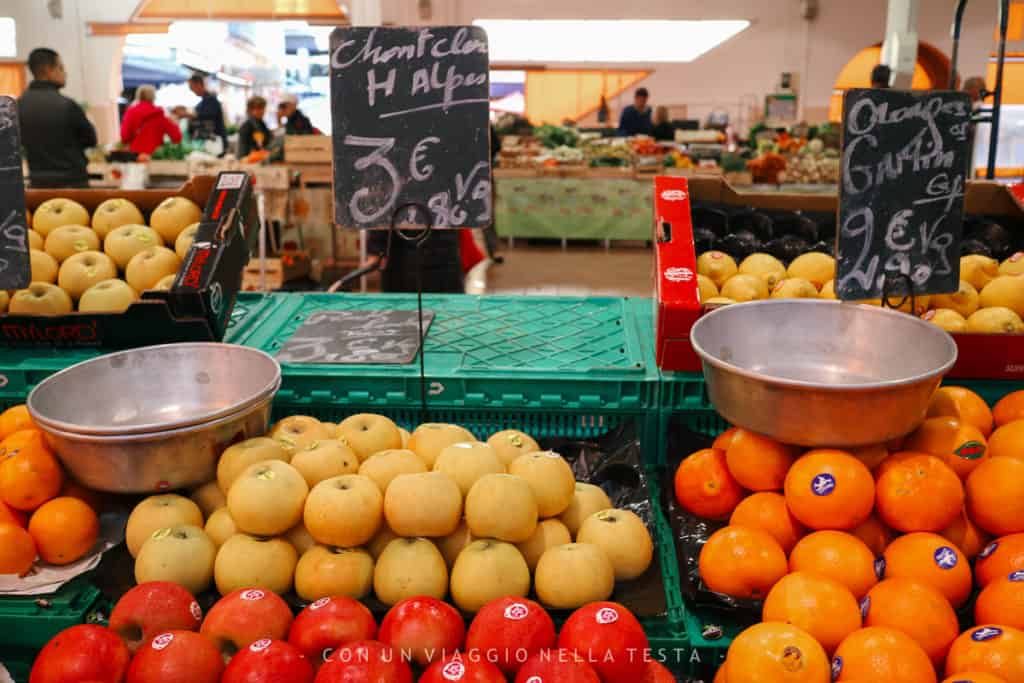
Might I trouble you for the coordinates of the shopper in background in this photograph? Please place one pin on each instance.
(295, 122)
(254, 135)
(663, 128)
(636, 118)
(54, 130)
(208, 120)
(145, 125)
(881, 77)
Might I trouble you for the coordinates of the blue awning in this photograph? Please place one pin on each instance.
(137, 70)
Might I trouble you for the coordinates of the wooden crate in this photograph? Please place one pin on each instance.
(308, 149)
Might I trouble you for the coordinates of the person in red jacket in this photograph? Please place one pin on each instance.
(145, 124)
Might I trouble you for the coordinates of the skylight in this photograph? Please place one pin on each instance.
(611, 41)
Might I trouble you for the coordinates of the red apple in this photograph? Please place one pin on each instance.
(462, 668)
(424, 628)
(365, 661)
(82, 653)
(152, 608)
(508, 630)
(607, 635)
(329, 623)
(244, 616)
(556, 666)
(176, 657)
(656, 672)
(269, 661)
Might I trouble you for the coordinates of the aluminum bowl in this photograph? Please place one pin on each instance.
(821, 373)
(154, 388)
(158, 461)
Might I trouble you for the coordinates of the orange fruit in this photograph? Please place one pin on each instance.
(757, 462)
(9, 515)
(973, 677)
(959, 444)
(881, 654)
(15, 419)
(917, 610)
(919, 494)
(64, 530)
(776, 652)
(826, 609)
(894, 457)
(1009, 408)
(72, 489)
(830, 489)
(932, 560)
(1002, 601)
(995, 496)
(23, 439)
(17, 549)
(704, 486)
(875, 535)
(836, 555)
(1008, 441)
(723, 440)
(30, 477)
(999, 559)
(989, 648)
(741, 562)
(964, 405)
(721, 676)
(871, 456)
(966, 536)
(767, 511)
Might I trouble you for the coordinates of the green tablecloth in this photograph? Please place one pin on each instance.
(574, 208)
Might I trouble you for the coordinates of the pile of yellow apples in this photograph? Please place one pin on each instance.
(101, 263)
(365, 507)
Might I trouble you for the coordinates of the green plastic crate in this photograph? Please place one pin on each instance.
(17, 662)
(22, 369)
(29, 622)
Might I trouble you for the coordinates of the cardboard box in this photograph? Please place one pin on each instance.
(308, 149)
(980, 356)
(198, 306)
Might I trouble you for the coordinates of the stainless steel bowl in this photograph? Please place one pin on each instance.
(154, 388)
(821, 373)
(158, 461)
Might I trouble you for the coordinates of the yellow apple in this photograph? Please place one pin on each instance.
(324, 572)
(467, 461)
(172, 216)
(147, 267)
(368, 434)
(35, 240)
(300, 537)
(209, 498)
(109, 296)
(113, 213)
(220, 527)
(429, 439)
(323, 460)
(300, 431)
(43, 266)
(5, 300)
(124, 242)
(159, 512)
(510, 444)
(81, 271)
(235, 459)
(181, 554)
(383, 467)
(165, 283)
(67, 240)
(41, 298)
(184, 241)
(245, 561)
(54, 213)
(345, 511)
(267, 498)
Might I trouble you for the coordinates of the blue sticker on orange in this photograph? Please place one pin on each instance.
(989, 549)
(837, 667)
(946, 557)
(1017, 575)
(865, 607)
(880, 568)
(980, 635)
(823, 484)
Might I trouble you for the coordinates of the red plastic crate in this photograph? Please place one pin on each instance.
(678, 303)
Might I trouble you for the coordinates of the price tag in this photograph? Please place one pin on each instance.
(901, 198)
(15, 267)
(410, 116)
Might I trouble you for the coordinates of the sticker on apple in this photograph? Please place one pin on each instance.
(252, 594)
(196, 610)
(606, 615)
(517, 611)
(453, 671)
(322, 602)
(162, 641)
(260, 645)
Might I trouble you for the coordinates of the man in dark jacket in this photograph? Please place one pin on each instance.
(54, 130)
(208, 122)
(296, 123)
(636, 118)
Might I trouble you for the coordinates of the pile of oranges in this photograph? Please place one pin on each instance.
(866, 556)
(42, 513)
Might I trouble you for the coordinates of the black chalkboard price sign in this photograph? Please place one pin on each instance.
(15, 269)
(901, 199)
(410, 118)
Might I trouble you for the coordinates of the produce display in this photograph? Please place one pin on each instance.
(887, 563)
(100, 264)
(990, 299)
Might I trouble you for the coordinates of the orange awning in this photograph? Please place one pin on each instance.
(234, 10)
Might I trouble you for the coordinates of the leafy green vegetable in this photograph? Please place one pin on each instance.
(556, 136)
